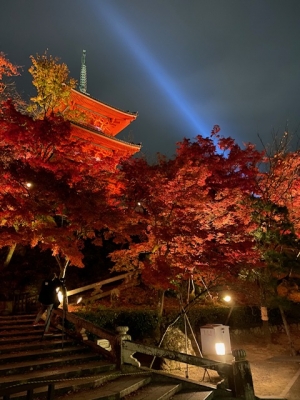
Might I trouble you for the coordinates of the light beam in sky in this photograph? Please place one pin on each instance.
(155, 70)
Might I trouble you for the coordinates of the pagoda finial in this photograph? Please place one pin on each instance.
(83, 74)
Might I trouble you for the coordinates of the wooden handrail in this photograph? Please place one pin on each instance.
(82, 326)
(221, 367)
(100, 284)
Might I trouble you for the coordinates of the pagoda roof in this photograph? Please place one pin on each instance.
(106, 142)
(111, 120)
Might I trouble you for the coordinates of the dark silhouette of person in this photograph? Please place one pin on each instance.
(48, 298)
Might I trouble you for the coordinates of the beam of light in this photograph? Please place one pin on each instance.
(155, 70)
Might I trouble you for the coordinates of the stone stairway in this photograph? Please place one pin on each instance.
(77, 372)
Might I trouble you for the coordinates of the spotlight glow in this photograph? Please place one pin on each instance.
(151, 65)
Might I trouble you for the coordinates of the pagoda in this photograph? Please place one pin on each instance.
(103, 122)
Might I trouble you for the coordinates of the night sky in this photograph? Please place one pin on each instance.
(183, 65)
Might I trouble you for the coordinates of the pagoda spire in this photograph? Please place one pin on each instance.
(83, 74)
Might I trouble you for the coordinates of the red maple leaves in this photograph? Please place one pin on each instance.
(193, 215)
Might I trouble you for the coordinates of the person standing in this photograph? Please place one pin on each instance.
(48, 299)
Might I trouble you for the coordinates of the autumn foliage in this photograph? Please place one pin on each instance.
(52, 193)
(54, 187)
(199, 215)
(189, 216)
(6, 69)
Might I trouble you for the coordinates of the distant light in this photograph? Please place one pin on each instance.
(28, 184)
(79, 300)
(220, 349)
(139, 204)
(227, 298)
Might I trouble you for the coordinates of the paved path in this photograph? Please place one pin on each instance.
(292, 390)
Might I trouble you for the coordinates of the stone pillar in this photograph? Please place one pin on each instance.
(242, 376)
(124, 356)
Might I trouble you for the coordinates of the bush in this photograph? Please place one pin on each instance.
(145, 323)
(141, 323)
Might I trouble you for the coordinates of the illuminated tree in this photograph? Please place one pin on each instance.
(276, 212)
(189, 216)
(53, 84)
(53, 194)
(54, 188)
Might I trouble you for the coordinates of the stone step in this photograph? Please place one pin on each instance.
(19, 327)
(37, 345)
(19, 317)
(116, 389)
(16, 331)
(157, 391)
(39, 354)
(64, 372)
(17, 366)
(30, 337)
(66, 388)
(192, 395)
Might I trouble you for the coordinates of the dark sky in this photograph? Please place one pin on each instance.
(183, 65)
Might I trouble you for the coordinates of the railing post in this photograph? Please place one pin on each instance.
(242, 376)
(124, 356)
(29, 395)
(51, 391)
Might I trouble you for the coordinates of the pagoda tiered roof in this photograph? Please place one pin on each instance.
(103, 123)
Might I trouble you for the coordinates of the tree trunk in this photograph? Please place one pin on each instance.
(10, 253)
(287, 330)
(161, 302)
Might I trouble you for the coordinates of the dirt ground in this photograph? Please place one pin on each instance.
(273, 368)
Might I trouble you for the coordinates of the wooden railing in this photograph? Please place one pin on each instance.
(235, 376)
(81, 329)
(129, 279)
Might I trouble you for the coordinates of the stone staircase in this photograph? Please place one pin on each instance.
(57, 367)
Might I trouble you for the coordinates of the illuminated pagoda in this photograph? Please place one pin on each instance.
(103, 122)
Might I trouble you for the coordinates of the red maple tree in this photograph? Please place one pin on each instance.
(55, 189)
(53, 192)
(190, 216)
